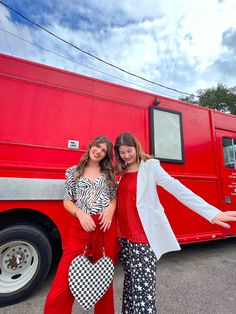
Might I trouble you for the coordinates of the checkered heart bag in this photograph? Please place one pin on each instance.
(89, 281)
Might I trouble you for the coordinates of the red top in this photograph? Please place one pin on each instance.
(129, 223)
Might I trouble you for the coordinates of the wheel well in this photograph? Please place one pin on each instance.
(28, 215)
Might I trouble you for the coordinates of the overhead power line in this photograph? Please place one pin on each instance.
(94, 56)
(7, 41)
(75, 61)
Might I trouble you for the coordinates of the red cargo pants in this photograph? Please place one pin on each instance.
(60, 299)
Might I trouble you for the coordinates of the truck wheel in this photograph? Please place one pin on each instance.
(25, 260)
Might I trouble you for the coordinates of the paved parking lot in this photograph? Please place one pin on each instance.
(200, 279)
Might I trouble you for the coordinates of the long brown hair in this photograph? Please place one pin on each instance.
(128, 139)
(105, 164)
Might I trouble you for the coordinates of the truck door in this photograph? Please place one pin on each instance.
(226, 143)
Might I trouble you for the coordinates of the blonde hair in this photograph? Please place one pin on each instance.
(105, 164)
(128, 139)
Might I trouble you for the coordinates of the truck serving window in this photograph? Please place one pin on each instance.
(166, 135)
(229, 147)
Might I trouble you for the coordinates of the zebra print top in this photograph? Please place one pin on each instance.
(92, 196)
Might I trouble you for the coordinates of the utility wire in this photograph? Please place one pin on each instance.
(93, 56)
(25, 47)
(21, 39)
(84, 65)
(8, 44)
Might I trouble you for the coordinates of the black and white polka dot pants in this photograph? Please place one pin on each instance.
(139, 263)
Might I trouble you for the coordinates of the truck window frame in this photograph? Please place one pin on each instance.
(173, 117)
(226, 155)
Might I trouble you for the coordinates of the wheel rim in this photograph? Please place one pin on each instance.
(19, 262)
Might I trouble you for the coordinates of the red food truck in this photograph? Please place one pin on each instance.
(47, 118)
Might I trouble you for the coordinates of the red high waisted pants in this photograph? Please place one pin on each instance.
(60, 299)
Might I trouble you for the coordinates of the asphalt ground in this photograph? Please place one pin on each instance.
(199, 279)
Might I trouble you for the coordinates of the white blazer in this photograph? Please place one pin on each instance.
(151, 212)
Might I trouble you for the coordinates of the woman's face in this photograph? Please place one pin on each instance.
(98, 152)
(128, 154)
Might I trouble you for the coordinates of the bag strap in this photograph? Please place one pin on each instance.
(103, 246)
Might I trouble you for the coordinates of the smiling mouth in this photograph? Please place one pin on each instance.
(96, 156)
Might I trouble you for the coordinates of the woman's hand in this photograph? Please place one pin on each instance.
(107, 215)
(85, 220)
(220, 218)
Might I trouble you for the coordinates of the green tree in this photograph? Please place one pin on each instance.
(219, 98)
(190, 99)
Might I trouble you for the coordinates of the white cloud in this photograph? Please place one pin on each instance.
(177, 43)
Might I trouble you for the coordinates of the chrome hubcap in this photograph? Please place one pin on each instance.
(18, 263)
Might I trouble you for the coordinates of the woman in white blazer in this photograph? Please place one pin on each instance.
(143, 228)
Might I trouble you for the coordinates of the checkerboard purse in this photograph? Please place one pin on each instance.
(89, 281)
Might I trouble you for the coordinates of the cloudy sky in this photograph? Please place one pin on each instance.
(182, 44)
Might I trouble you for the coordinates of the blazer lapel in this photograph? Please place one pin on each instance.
(141, 181)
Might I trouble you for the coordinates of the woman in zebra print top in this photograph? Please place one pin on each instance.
(90, 196)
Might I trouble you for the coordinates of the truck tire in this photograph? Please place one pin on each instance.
(25, 260)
